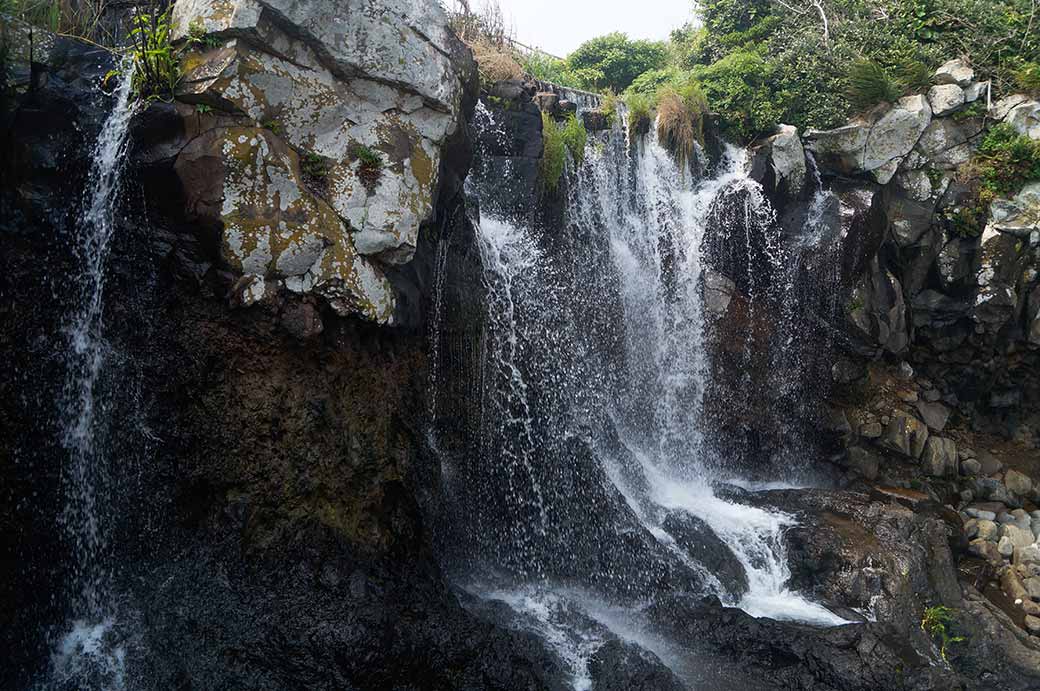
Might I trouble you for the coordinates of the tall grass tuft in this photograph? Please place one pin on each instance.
(640, 107)
(870, 84)
(680, 120)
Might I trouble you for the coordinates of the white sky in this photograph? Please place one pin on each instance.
(560, 26)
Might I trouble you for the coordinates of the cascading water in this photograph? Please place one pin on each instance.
(86, 653)
(593, 453)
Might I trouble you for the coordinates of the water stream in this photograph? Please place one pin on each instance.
(86, 654)
(593, 425)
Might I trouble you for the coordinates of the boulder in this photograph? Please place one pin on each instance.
(876, 144)
(624, 666)
(999, 266)
(945, 98)
(906, 435)
(321, 76)
(955, 263)
(987, 551)
(1020, 215)
(970, 467)
(1000, 109)
(699, 541)
(948, 142)
(1030, 554)
(248, 182)
(975, 91)
(1031, 624)
(1018, 536)
(939, 458)
(987, 530)
(934, 415)
(1025, 118)
(779, 162)
(956, 71)
(547, 102)
(1006, 547)
(1018, 483)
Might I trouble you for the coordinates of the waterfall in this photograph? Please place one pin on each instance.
(85, 654)
(593, 450)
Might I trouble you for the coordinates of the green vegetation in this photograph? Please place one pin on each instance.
(157, 67)
(198, 38)
(314, 166)
(574, 136)
(273, 125)
(935, 622)
(613, 61)
(554, 153)
(640, 107)
(367, 157)
(1004, 162)
(680, 119)
(79, 18)
(557, 140)
(870, 84)
(1027, 78)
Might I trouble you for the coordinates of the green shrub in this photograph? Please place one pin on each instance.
(935, 622)
(574, 136)
(1007, 160)
(739, 89)
(639, 108)
(367, 157)
(554, 153)
(651, 81)
(870, 84)
(613, 61)
(550, 69)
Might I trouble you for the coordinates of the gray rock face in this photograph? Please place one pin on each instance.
(718, 292)
(788, 160)
(956, 71)
(1020, 215)
(999, 267)
(940, 457)
(970, 467)
(345, 82)
(876, 145)
(877, 310)
(863, 462)
(906, 435)
(1018, 537)
(945, 98)
(947, 143)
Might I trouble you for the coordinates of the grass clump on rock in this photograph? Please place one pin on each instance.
(680, 120)
(640, 108)
(557, 141)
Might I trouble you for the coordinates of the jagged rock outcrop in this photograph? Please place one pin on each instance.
(359, 113)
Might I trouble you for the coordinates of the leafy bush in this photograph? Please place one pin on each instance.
(613, 61)
(870, 84)
(651, 81)
(549, 69)
(739, 90)
(575, 136)
(554, 153)
(680, 120)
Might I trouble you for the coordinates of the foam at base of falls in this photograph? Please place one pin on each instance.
(756, 537)
(86, 655)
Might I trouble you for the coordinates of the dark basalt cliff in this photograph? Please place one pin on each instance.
(272, 497)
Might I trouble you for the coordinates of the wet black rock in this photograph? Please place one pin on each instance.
(696, 538)
(623, 666)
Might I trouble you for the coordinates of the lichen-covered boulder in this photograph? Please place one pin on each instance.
(367, 88)
(876, 144)
(248, 182)
(948, 142)
(1020, 215)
